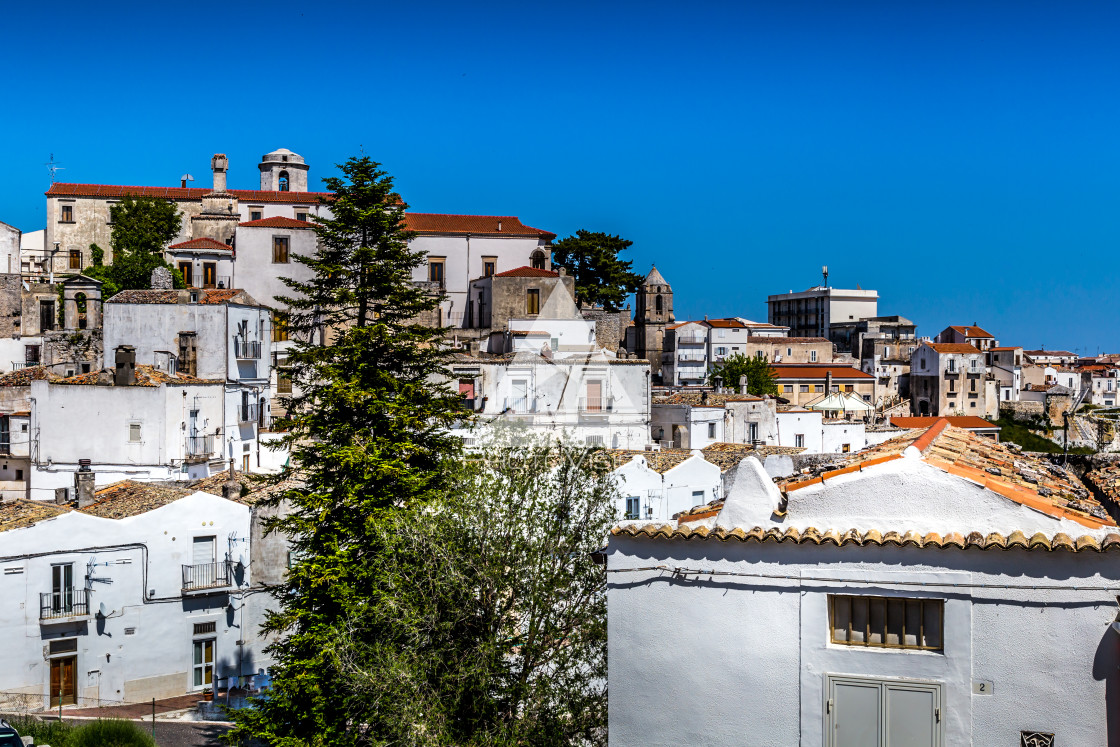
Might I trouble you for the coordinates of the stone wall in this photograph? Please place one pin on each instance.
(76, 350)
(11, 305)
(1021, 412)
(610, 326)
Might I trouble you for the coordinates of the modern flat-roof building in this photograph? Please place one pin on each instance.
(812, 312)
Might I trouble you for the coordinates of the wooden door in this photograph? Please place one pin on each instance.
(64, 680)
(209, 274)
(187, 269)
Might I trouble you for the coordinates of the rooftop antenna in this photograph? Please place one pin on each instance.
(53, 168)
(825, 271)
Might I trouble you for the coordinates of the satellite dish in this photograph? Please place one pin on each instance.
(103, 611)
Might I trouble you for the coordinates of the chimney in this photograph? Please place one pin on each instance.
(828, 383)
(125, 373)
(219, 164)
(743, 385)
(84, 484)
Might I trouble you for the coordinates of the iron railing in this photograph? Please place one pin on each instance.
(521, 405)
(63, 603)
(692, 339)
(206, 576)
(246, 349)
(17, 365)
(596, 404)
(200, 445)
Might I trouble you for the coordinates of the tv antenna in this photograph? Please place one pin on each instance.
(824, 270)
(53, 168)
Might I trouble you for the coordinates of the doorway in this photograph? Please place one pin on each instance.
(64, 681)
(864, 712)
(187, 271)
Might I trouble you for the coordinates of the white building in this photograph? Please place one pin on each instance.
(656, 486)
(591, 398)
(928, 595)
(811, 313)
(10, 241)
(146, 425)
(130, 598)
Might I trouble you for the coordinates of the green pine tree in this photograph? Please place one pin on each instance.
(142, 229)
(761, 377)
(367, 430)
(601, 278)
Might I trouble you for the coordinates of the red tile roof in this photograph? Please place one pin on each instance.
(484, 225)
(203, 244)
(1003, 347)
(971, 331)
(956, 421)
(726, 323)
(1042, 353)
(818, 371)
(208, 296)
(145, 376)
(181, 193)
(527, 272)
(277, 222)
(953, 347)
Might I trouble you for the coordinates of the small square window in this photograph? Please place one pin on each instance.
(787, 388)
(711, 430)
(256, 214)
(302, 217)
(280, 250)
(134, 433)
(67, 214)
(533, 301)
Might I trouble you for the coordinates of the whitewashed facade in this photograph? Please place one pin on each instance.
(652, 495)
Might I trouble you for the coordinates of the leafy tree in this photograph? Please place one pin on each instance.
(761, 377)
(601, 278)
(497, 635)
(142, 228)
(367, 428)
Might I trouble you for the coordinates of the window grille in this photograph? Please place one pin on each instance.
(886, 622)
(207, 627)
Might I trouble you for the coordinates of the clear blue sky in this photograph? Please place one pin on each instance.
(959, 157)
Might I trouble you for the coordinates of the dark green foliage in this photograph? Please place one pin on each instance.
(601, 278)
(142, 229)
(1022, 435)
(108, 733)
(761, 378)
(368, 431)
(54, 733)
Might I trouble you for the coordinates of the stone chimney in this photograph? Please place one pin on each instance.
(84, 480)
(125, 373)
(827, 383)
(742, 385)
(219, 164)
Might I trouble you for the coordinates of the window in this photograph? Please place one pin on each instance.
(812, 356)
(302, 217)
(803, 388)
(279, 327)
(753, 430)
(721, 351)
(788, 388)
(593, 441)
(256, 214)
(711, 430)
(818, 387)
(134, 433)
(922, 364)
(435, 271)
(887, 351)
(67, 215)
(280, 250)
(845, 448)
(62, 588)
(697, 497)
(31, 355)
(952, 385)
(789, 352)
(886, 622)
(489, 266)
(75, 259)
(799, 440)
(952, 365)
(282, 183)
(532, 301)
(186, 269)
(658, 305)
(849, 388)
(973, 383)
(203, 668)
(537, 260)
(283, 381)
(204, 628)
(972, 362)
(759, 354)
(633, 507)
(210, 273)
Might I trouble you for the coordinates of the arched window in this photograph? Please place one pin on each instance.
(538, 260)
(283, 181)
(658, 305)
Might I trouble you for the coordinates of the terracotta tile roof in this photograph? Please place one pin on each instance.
(874, 538)
(130, 498)
(205, 296)
(698, 399)
(145, 376)
(953, 347)
(1004, 348)
(22, 513)
(659, 461)
(278, 222)
(971, 331)
(483, 225)
(527, 272)
(681, 324)
(203, 244)
(818, 371)
(180, 193)
(957, 421)
(727, 455)
(24, 376)
(1043, 353)
(726, 323)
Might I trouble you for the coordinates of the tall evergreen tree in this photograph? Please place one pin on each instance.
(142, 228)
(601, 277)
(367, 430)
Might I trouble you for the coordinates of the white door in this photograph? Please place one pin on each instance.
(865, 712)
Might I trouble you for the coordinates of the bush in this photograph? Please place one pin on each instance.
(54, 733)
(108, 733)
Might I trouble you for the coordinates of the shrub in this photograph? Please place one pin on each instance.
(109, 733)
(54, 733)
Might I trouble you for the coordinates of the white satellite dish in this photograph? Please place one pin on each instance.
(103, 611)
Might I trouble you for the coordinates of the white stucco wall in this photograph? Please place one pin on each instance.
(142, 556)
(693, 482)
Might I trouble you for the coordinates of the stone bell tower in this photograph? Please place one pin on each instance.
(653, 314)
(283, 171)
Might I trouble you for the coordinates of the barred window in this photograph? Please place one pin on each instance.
(886, 622)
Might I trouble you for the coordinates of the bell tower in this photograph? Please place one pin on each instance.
(653, 314)
(283, 171)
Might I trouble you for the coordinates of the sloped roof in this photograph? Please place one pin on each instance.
(818, 371)
(659, 461)
(654, 278)
(277, 222)
(728, 455)
(482, 225)
(698, 398)
(527, 272)
(953, 347)
(22, 513)
(1043, 353)
(65, 189)
(957, 421)
(210, 296)
(24, 376)
(202, 244)
(145, 376)
(971, 331)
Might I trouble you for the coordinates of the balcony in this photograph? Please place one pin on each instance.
(691, 357)
(17, 365)
(245, 350)
(247, 413)
(520, 405)
(692, 339)
(596, 405)
(200, 446)
(63, 606)
(206, 577)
